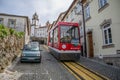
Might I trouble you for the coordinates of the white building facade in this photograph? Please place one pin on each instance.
(17, 22)
(102, 27)
(41, 32)
(99, 23)
(38, 32)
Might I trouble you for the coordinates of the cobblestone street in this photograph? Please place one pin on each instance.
(112, 72)
(48, 69)
(51, 69)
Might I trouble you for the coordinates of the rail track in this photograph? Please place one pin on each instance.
(82, 73)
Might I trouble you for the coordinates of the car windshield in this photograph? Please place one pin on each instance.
(31, 47)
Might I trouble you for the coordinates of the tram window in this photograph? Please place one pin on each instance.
(51, 36)
(76, 33)
(73, 33)
(56, 35)
(69, 34)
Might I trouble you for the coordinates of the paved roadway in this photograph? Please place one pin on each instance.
(48, 69)
(51, 69)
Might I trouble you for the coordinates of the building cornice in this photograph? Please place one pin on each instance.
(60, 16)
(28, 21)
(73, 3)
(4, 14)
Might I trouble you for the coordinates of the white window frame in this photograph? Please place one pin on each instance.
(11, 25)
(1, 20)
(72, 15)
(102, 3)
(87, 11)
(106, 28)
(79, 8)
(67, 19)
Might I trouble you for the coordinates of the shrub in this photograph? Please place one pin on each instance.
(12, 31)
(4, 32)
(19, 34)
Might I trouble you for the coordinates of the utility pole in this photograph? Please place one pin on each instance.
(84, 28)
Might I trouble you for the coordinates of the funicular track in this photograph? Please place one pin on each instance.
(83, 73)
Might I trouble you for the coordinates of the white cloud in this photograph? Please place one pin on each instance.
(50, 9)
(46, 9)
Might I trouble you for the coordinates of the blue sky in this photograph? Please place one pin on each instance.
(46, 9)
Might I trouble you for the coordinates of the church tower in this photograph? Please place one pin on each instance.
(35, 24)
(35, 20)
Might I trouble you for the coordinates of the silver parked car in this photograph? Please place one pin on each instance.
(31, 53)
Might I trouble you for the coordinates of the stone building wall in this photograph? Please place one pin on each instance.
(9, 49)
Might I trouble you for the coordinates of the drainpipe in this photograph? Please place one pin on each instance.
(84, 28)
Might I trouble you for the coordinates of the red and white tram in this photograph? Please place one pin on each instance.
(64, 41)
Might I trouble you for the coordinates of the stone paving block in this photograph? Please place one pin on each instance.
(109, 71)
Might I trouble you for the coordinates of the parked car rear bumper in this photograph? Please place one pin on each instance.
(30, 59)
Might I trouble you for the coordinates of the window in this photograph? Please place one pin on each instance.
(72, 15)
(67, 19)
(12, 23)
(107, 34)
(78, 9)
(102, 3)
(1, 20)
(87, 12)
(69, 34)
(51, 37)
(56, 35)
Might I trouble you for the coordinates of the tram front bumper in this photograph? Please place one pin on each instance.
(69, 56)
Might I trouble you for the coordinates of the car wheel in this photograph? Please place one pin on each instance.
(21, 61)
(40, 60)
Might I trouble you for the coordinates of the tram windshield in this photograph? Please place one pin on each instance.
(69, 34)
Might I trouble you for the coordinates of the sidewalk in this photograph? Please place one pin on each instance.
(9, 73)
(109, 71)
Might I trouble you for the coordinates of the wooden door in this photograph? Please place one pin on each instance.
(90, 45)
